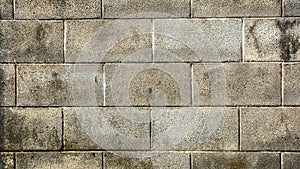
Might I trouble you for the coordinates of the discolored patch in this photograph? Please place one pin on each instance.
(272, 40)
(31, 129)
(234, 160)
(31, 41)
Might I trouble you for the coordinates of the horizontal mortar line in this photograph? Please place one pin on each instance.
(213, 106)
(151, 151)
(158, 18)
(95, 63)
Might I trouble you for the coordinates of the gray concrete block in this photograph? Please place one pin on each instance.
(6, 9)
(70, 160)
(109, 41)
(237, 84)
(146, 9)
(272, 39)
(290, 160)
(31, 128)
(235, 8)
(236, 160)
(291, 8)
(7, 85)
(194, 129)
(148, 84)
(31, 41)
(107, 128)
(291, 84)
(145, 160)
(60, 85)
(270, 129)
(197, 40)
(57, 9)
(7, 161)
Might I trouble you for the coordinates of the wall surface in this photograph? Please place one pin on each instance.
(127, 84)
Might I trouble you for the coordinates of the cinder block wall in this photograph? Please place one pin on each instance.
(150, 84)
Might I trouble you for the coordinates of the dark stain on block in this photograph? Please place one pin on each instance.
(288, 43)
(55, 91)
(256, 43)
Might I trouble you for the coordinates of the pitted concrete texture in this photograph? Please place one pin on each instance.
(60, 85)
(150, 8)
(237, 84)
(272, 39)
(31, 129)
(150, 84)
(71, 160)
(235, 8)
(275, 129)
(291, 8)
(6, 9)
(57, 9)
(236, 160)
(31, 41)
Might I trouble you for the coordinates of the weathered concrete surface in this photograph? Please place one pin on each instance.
(197, 40)
(6, 161)
(141, 9)
(235, 8)
(57, 9)
(6, 9)
(70, 160)
(290, 160)
(148, 84)
(270, 129)
(151, 160)
(291, 84)
(236, 160)
(194, 128)
(291, 8)
(31, 41)
(109, 41)
(7, 85)
(237, 84)
(272, 39)
(60, 85)
(107, 128)
(31, 128)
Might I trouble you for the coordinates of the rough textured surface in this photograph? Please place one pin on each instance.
(151, 160)
(291, 84)
(290, 160)
(31, 41)
(60, 85)
(78, 160)
(291, 8)
(236, 160)
(31, 129)
(272, 40)
(212, 40)
(148, 85)
(194, 129)
(6, 161)
(115, 41)
(7, 85)
(230, 8)
(107, 128)
(146, 9)
(6, 9)
(237, 84)
(270, 129)
(56, 9)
